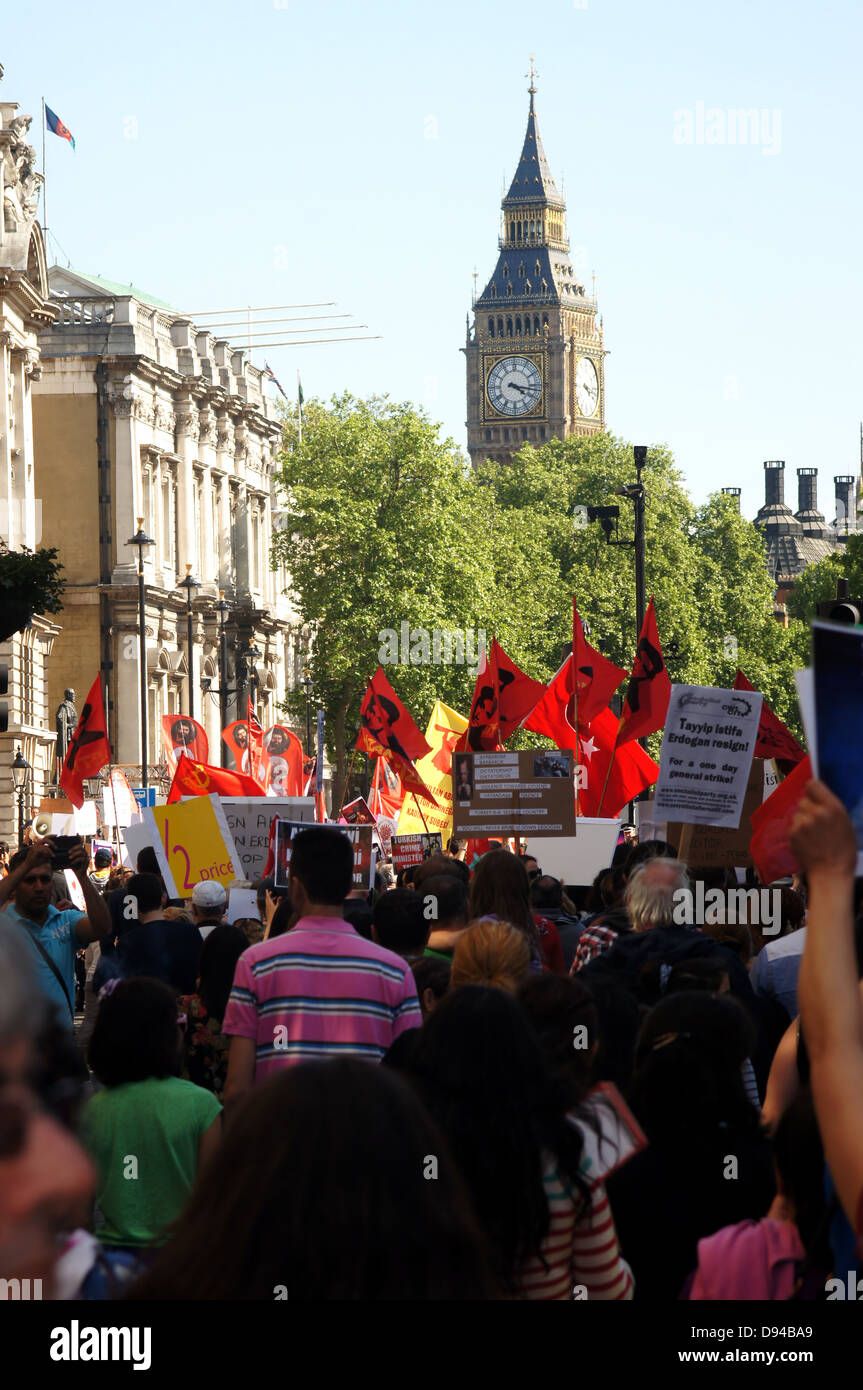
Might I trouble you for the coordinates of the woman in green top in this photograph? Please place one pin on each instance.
(148, 1131)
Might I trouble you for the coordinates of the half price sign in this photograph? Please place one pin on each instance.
(193, 844)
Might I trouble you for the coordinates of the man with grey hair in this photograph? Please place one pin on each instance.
(653, 891)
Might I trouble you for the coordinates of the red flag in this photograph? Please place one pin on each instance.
(386, 724)
(649, 689)
(502, 696)
(387, 798)
(236, 737)
(200, 779)
(632, 770)
(286, 761)
(89, 749)
(259, 762)
(595, 678)
(771, 822)
(182, 735)
(775, 739)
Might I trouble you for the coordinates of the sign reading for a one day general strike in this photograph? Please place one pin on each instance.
(503, 794)
(706, 755)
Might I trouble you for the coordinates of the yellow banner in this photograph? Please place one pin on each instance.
(444, 729)
(193, 844)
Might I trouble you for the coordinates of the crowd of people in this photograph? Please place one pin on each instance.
(474, 1082)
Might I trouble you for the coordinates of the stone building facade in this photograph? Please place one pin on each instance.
(24, 311)
(141, 418)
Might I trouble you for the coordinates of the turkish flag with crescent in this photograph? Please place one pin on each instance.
(200, 779)
(89, 749)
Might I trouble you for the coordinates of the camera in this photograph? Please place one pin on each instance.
(62, 845)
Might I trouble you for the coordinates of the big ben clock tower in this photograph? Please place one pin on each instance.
(534, 353)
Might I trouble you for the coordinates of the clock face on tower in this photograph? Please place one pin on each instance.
(586, 387)
(514, 385)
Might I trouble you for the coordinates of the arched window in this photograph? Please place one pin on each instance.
(505, 270)
(527, 324)
(488, 436)
(509, 328)
(509, 289)
(491, 327)
(518, 326)
(545, 320)
(536, 323)
(493, 292)
(521, 270)
(506, 436)
(537, 270)
(527, 287)
(500, 327)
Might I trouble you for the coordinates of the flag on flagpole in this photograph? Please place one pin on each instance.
(649, 690)
(89, 749)
(270, 374)
(56, 125)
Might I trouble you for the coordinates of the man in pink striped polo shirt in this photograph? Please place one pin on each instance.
(320, 990)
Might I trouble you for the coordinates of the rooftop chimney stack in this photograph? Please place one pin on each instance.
(732, 492)
(774, 483)
(846, 511)
(807, 490)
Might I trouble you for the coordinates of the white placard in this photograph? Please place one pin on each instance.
(242, 902)
(706, 757)
(76, 892)
(577, 859)
(136, 837)
(85, 820)
(249, 819)
(805, 682)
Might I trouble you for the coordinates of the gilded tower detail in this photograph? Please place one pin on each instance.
(534, 353)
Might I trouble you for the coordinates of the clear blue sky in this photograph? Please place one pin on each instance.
(281, 155)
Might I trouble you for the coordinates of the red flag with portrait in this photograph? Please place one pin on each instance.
(592, 677)
(386, 723)
(502, 697)
(236, 738)
(259, 760)
(89, 749)
(286, 761)
(649, 691)
(184, 736)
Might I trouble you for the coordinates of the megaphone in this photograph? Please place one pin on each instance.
(41, 827)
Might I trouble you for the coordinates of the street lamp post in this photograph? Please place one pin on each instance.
(20, 777)
(223, 608)
(189, 584)
(247, 676)
(307, 686)
(141, 539)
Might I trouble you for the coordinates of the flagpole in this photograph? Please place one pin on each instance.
(420, 809)
(44, 185)
(608, 771)
(348, 779)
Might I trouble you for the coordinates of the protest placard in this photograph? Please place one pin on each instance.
(360, 837)
(193, 844)
(357, 812)
(712, 847)
(706, 755)
(413, 849)
(837, 665)
(502, 794)
(249, 819)
(577, 859)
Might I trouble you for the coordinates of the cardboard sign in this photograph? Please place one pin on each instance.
(386, 830)
(413, 849)
(577, 859)
(249, 820)
(711, 847)
(193, 844)
(501, 794)
(706, 755)
(242, 904)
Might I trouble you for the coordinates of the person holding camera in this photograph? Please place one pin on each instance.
(54, 936)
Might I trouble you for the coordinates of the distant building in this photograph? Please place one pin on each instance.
(139, 415)
(24, 311)
(795, 540)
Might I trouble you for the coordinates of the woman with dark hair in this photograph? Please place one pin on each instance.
(500, 888)
(205, 1053)
(480, 1072)
(148, 1130)
(322, 1190)
(709, 1162)
(786, 1254)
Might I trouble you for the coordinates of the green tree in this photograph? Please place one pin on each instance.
(386, 524)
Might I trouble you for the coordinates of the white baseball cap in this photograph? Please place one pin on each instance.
(209, 896)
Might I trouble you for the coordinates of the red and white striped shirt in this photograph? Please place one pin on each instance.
(580, 1256)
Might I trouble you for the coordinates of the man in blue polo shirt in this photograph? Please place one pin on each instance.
(54, 936)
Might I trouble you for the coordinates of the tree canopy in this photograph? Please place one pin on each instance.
(386, 524)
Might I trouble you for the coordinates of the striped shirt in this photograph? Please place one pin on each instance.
(321, 990)
(580, 1257)
(593, 942)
